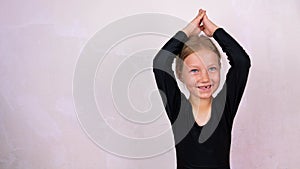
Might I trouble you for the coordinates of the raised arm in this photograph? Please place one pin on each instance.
(237, 75)
(162, 66)
(239, 60)
(165, 77)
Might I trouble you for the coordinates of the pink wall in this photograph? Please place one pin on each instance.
(40, 43)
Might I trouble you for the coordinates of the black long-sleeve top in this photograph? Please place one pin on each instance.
(208, 146)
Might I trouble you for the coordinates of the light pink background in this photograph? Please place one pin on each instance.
(41, 41)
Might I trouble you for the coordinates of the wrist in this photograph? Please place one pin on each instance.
(214, 30)
(186, 31)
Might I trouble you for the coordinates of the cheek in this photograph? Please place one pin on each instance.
(187, 79)
(215, 77)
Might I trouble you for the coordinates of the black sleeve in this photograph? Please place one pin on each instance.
(237, 75)
(164, 75)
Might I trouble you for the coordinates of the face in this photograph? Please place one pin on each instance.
(201, 74)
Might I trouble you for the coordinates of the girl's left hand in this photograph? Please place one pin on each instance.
(208, 27)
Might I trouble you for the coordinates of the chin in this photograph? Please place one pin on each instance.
(205, 96)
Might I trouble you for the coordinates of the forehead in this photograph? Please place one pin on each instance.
(202, 57)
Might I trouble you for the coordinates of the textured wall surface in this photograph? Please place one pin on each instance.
(41, 41)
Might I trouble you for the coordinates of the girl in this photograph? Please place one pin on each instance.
(202, 123)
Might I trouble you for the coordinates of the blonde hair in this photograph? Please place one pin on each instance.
(194, 44)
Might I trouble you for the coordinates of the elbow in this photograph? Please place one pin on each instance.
(248, 62)
(155, 62)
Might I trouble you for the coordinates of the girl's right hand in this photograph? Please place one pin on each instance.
(193, 28)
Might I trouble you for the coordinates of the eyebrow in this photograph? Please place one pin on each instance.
(192, 66)
(212, 65)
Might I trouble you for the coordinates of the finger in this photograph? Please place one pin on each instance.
(199, 17)
(200, 10)
(201, 13)
(201, 27)
(205, 18)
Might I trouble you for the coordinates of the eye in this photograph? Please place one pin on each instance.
(212, 69)
(194, 71)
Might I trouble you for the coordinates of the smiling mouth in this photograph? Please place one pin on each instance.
(207, 87)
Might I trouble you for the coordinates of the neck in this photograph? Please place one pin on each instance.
(201, 110)
(201, 105)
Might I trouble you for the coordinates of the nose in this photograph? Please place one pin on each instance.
(204, 76)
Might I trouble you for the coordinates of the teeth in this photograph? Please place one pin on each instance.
(206, 87)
